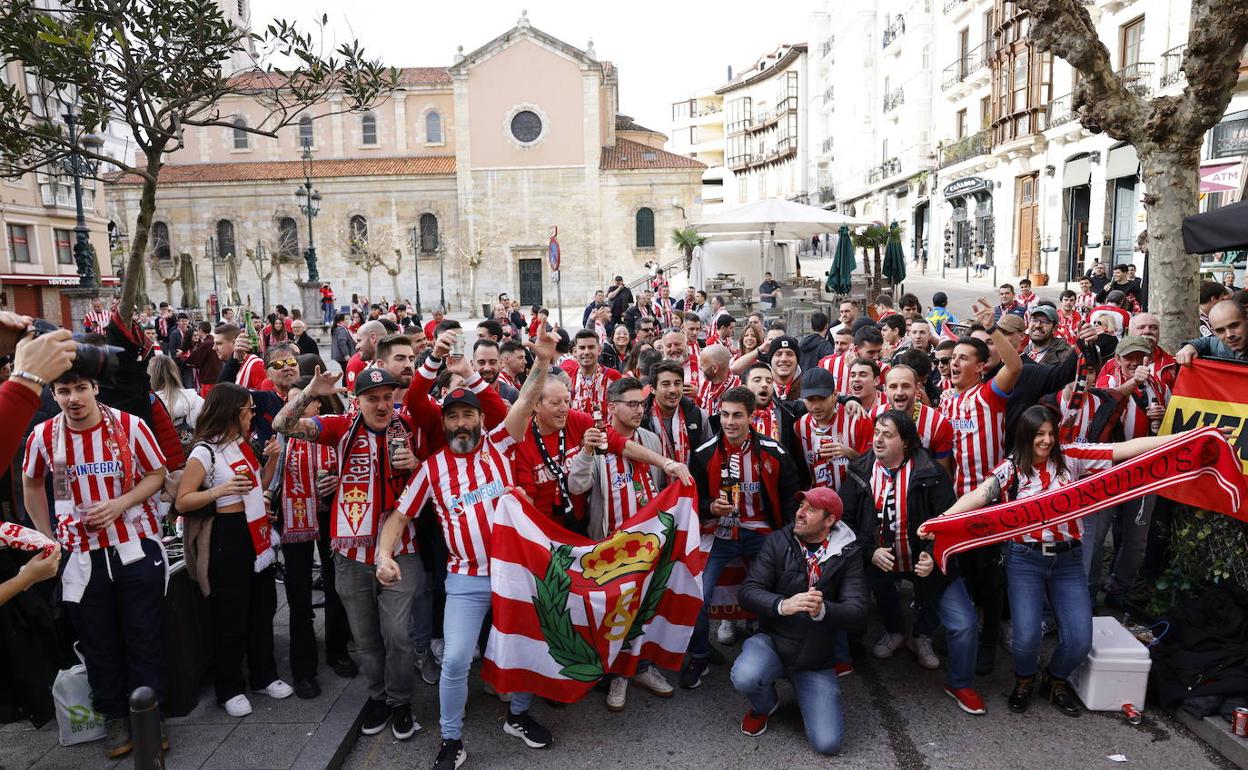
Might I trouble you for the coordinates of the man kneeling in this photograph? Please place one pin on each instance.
(805, 585)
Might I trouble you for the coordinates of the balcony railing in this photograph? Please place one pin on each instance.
(894, 99)
(827, 95)
(825, 195)
(827, 47)
(1059, 111)
(890, 167)
(950, 5)
(895, 29)
(1138, 78)
(966, 147)
(1172, 65)
(965, 66)
(827, 145)
(764, 120)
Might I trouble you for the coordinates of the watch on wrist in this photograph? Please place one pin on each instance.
(991, 329)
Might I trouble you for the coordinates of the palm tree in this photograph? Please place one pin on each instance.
(871, 239)
(687, 239)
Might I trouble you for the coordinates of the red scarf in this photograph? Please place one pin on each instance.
(364, 485)
(766, 423)
(814, 559)
(1199, 469)
(300, 501)
(589, 394)
(673, 435)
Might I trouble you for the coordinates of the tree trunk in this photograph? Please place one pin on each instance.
(1172, 181)
(138, 247)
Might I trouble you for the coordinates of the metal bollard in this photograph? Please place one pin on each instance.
(145, 729)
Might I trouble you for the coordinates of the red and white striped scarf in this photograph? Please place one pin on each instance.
(766, 422)
(300, 500)
(709, 393)
(589, 394)
(673, 435)
(891, 489)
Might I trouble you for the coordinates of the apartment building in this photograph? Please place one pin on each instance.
(698, 132)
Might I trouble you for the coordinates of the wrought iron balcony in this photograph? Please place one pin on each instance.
(895, 29)
(827, 145)
(952, 4)
(890, 167)
(1138, 78)
(1172, 65)
(1059, 111)
(894, 99)
(827, 47)
(965, 66)
(966, 147)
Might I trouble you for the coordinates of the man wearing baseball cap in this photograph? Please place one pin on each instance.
(806, 587)
(1044, 347)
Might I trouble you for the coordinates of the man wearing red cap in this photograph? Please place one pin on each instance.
(806, 587)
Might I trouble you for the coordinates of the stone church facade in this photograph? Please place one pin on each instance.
(460, 177)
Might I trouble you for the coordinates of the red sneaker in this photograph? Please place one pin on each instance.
(753, 724)
(968, 700)
(843, 669)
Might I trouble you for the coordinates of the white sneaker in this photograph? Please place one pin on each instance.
(654, 681)
(726, 634)
(921, 646)
(238, 706)
(888, 644)
(617, 694)
(437, 647)
(277, 689)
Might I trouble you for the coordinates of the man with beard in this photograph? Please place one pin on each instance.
(1044, 346)
(829, 435)
(715, 364)
(774, 418)
(397, 355)
(672, 416)
(901, 391)
(487, 360)
(512, 364)
(367, 337)
(464, 480)
(618, 488)
(786, 373)
(868, 343)
(590, 379)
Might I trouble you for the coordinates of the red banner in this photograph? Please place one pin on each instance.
(1211, 394)
(1199, 468)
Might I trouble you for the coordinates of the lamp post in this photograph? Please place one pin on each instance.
(310, 205)
(416, 262)
(442, 276)
(78, 166)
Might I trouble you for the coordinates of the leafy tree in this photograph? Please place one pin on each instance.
(871, 239)
(157, 66)
(1166, 131)
(687, 239)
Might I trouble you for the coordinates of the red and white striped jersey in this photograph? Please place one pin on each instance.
(464, 488)
(95, 321)
(935, 431)
(95, 474)
(1135, 417)
(589, 394)
(1080, 460)
(1068, 325)
(709, 393)
(629, 489)
(838, 364)
(693, 366)
(978, 419)
(854, 432)
(664, 308)
(251, 374)
(1084, 303)
(750, 504)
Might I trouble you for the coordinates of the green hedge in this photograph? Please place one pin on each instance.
(1205, 548)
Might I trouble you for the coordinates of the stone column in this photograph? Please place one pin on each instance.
(80, 303)
(310, 301)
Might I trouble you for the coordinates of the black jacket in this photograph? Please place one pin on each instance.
(1034, 383)
(780, 479)
(812, 348)
(930, 494)
(689, 411)
(790, 413)
(305, 345)
(779, 571)
(635, 314)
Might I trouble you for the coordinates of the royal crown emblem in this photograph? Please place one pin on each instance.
(624, 554)
(355, 501)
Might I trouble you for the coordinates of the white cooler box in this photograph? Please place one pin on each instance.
(1116, 670)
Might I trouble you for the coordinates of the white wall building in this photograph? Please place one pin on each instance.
(698, 132)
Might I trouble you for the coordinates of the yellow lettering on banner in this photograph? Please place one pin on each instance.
(620, 619)
(1187, 413)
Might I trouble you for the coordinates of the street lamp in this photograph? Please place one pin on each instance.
(416, 261)
(78, 166)
(310, 205)
(442, 275)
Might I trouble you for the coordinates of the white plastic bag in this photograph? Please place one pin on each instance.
(77, 720)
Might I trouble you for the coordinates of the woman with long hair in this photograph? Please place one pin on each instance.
(1048, 563)
(616, 352)
(183, 404)
(232, 547)
(357, 320)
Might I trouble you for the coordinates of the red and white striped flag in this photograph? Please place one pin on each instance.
(568, 610)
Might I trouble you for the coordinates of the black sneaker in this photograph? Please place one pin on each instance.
(401, 723)
(344, 667)
(1020, 696)
(306, 689)
(451, 755)
(117, 741)
(1059, 694)
(691, 675)
(430, 669)
(528, 730)
(376, 714)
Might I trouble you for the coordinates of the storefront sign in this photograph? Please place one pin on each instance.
(966, 185)
(22, 279)
(1221, 178)
(1230, 138)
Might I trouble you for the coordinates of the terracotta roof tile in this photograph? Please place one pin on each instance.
(293, 169)
(626, 123)
(628, 155)
(408, 76)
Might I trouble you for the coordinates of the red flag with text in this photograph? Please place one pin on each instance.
(568, 610)
(1211, 393)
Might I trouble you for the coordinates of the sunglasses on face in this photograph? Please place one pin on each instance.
(943, 361)
(282, 363)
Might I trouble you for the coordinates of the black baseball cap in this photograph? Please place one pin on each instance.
(374, 377)
(818, 382)
(784, 343)
(460, 396)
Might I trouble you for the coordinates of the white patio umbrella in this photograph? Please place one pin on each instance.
(697, 269)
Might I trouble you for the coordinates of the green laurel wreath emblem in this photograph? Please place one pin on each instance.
(568, 647)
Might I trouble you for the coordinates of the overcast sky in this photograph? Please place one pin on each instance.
(664, 49)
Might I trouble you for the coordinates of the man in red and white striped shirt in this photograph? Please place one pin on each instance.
(901, 390)
(715, 363)
(590, 379)
(829, 436)
(106, 468)
(1145, 393)
(868, 342)
(464, 480)
(96, 319)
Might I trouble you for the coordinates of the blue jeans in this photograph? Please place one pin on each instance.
(722, 552)
(327, 312)
(953, 609)
(467, 602)
(1030, 577)
(754, 675)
